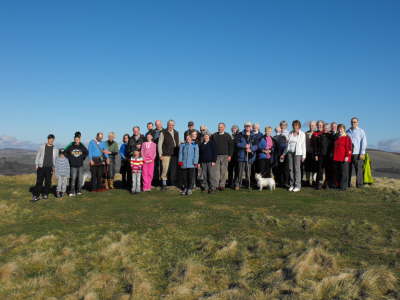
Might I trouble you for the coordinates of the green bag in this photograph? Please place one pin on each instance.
(368, 179)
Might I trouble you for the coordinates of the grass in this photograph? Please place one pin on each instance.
(230, 245)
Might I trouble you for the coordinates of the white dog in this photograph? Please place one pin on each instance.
(86, 175)
(265, 182)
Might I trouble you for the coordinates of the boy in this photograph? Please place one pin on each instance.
(62, 173)
(136, 167)
(44, 162)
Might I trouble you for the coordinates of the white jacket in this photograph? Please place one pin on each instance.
(40, 156)
(301, 144)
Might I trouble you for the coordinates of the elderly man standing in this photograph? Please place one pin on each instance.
(359, 141)
(157, 163)
(168, 150)
(224, 149)
(98, 157)
(112, 147)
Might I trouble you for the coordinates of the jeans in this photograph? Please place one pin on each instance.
(294, 169)
(136, 179)
(97, 176)
(43, 175)
(62, 182)
(221, 170)
(76, 175)
(358, 167)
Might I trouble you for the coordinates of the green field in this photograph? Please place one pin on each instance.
(229, 245)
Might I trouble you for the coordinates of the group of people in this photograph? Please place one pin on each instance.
(323, 157)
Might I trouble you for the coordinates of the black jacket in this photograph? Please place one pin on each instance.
(207, 152)
(76, 155)
(223, 143)
(324, 145)
(133, 144)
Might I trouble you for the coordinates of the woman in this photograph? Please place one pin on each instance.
(296, 154)
(207, 160)
(188, 160)
(149, 150)
(265, 154)
(125, 166)
(342, 157)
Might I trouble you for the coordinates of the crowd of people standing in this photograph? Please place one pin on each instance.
(322, 157)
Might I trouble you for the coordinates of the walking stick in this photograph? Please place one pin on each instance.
(248, 169)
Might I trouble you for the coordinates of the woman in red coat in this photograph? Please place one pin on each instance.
(342, 157)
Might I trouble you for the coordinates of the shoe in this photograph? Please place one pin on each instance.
(189, 192)
(237, 188)
(183, 192)
(79, 193)
(291, 189)
(295, 190)
(163, 187)
(45, 197)
(71, 194)
(35, 198)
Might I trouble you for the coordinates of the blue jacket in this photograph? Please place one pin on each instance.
(261, 146)
(188, 155)
(122, 151)
(243, 140)
(94, 149)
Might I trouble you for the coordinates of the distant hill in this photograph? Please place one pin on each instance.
(20, 161)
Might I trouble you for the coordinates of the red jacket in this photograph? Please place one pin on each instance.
(342, 149)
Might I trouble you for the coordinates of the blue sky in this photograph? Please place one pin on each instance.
(108, 65)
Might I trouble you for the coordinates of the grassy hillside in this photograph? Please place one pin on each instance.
(231, 245)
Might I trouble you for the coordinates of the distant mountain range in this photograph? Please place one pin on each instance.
(21, 161)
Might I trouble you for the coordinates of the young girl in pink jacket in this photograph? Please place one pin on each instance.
(149, 154)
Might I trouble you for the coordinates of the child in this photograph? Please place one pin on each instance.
(136, 167)
(188, 161)
(149, 150)
(62, 173)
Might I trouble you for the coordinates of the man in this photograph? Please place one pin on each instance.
(44, 162)
(150, 129)
(77, 133)
(168, 150)
(224, 149)
(256, 133)
(112, 147)
(283, 128)
(246, 154)
(233, 163)
(281, 169)
(309, 165)
(203, 131)
(98, 157)
(359, 141)
(76, 154)
(190, 130)
(334, 130)
(135, 143)
(157, 162)
(323, 152)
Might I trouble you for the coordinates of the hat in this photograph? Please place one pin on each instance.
(190, 123)
(51, 136)
(61, 151)
(247, 124)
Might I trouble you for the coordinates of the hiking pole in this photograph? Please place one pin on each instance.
(248, 169)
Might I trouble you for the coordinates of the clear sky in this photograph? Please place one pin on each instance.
(108, 65)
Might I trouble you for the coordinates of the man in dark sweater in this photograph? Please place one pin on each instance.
(157, 163)
(224, 148)
(207, 160)
(233, 163)
(44, 162)
(323, 152)
(76, 154)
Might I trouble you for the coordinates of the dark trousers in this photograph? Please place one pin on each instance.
(342, 174)
(358, 167)
(43, 175)
(188, 175)
(322, 163)
(263, 166)
(233, 170)
(157, 171)
(282, 172)
(172, 170)
(124, 170)
(97, 176)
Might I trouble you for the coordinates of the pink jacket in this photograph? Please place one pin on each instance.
(149, 150)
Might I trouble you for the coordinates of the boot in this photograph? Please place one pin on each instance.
(111, 184)
(106, 184)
